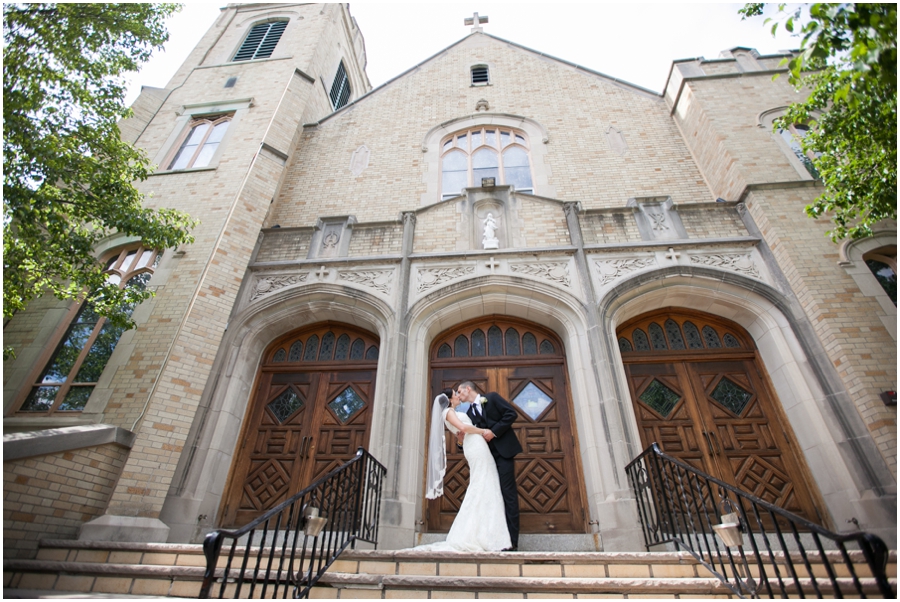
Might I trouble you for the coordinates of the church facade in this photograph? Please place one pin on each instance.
(623, 266)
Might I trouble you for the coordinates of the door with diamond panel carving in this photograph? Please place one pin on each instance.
(524, 364)
(311, 410)
(699, 392)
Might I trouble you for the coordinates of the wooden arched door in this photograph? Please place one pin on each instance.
(700, 391)
(311, 410)
(525, 364)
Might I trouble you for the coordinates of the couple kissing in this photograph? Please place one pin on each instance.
(488, 519)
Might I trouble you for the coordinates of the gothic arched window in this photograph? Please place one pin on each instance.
(883, 265)
(793, 136)
(471, 156)
(69, 378)
(261, 41)
(201, 142)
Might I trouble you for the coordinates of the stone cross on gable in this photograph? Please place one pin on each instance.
(475, 20)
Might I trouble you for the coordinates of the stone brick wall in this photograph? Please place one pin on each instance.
(285, 245)
(51, 496)
(711, 221)
(609, 226)
(437, 229)
(544, 224)
(846, 321)
(379, 239)
(393, 122)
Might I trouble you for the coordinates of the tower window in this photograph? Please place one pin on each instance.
(261, 41)
(480, 75)
(70, 376)
(792, 137)
(201, 142)
(340, 88)
(470, 156)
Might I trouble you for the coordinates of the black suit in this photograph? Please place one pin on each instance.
(498, 416)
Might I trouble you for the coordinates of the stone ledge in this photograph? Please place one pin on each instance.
(523, 557)
(50, 441)
(97, 568)
(126, 546)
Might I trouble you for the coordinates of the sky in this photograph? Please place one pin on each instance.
(633, 42)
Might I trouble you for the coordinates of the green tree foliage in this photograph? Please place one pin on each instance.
(68, 178)
(848, 61)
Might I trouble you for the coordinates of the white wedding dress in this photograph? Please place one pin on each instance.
(480, 524)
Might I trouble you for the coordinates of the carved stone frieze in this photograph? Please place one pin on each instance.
(553, 271)
(380, 280)
(613, 269)
(269, 284)
(740, 263)
(431, 277)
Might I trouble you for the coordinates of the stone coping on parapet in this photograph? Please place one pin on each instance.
(49, 441)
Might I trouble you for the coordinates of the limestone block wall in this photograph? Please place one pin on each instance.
(50, 496)
(393, 123)
(847, 321)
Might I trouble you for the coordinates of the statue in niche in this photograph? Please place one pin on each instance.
(489, 241)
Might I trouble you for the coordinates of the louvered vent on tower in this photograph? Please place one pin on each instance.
(340, 88)
(261, 41)
(480, 75)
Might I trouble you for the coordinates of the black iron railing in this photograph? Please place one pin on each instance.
(284, 552)
(772, 553)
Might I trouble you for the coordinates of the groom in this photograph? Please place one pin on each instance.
(494, 413)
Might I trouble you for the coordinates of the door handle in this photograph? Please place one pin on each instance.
(308, 446)
(708, 442)
(302, 445)
(716, 441)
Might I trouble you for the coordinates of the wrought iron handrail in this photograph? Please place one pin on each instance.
(683, 506)
(348, 499)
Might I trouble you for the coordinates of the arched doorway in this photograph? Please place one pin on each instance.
(311, 409)
(526, 365)
(699, 390)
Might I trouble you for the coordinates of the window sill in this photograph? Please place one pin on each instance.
(167, 172)
(480, 85)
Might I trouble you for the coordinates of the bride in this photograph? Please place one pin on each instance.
(480, 524)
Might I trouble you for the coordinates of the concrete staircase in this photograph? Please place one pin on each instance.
(103, 569)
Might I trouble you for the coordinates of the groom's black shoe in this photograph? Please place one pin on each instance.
(510, 549)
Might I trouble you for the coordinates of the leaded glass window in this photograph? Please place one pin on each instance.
(478, 343)
(547, 348)
(284, 406)
(279, 356)
(69, 378)
(532, 401)
(327, 348)
(624, 345)
(312, 349)
(358, 349)
(444, 351)
(372, 353)
(296, 353)
(730, 340)
(512, 342)
(201, 142)
(346, 404)
(711, 337)
(641, 343)
(484, 152)
(342, 348)
(461, 346)
(674, 334)
(693, 336)
(529, 344)
(660, 397)
(731, 396)
(495, 341)
(657, 338)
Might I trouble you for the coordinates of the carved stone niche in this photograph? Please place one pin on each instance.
(331, 237)
(478, 231)
(657, 218)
